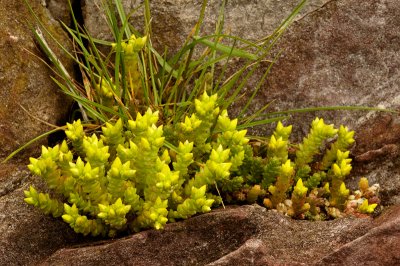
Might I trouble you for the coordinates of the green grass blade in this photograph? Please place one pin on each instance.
(261, 122)
(122, 16)
(259, 84)
(332, 108)
(225, 49)
(31, 142)
(170, 146)
(165, 66)
(217, 88)
(227, 86)
(256, 115)
(88, 105)
(272, 39)
(235, 94)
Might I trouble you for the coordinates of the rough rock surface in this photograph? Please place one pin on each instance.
(378, 247)
(25, 79)
(26, 235)
(249, 235)
(173, 20)
(60, 9)
(346, 54)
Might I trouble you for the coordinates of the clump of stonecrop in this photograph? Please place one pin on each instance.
(138, 174)
(296, 184)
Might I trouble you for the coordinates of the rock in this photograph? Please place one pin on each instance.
(186, 243)
(26, 235)
(345, 54)
(252, 252)
(246, 235)
(60, 10)
(378, 247)
(340, 55)
(377, 154)
(26, 81)
(95, 20)
(172, 21)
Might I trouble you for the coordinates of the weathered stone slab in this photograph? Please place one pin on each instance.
(26, 235)
(346, 55)
(378, 247)
(173, 20)
(25, 79)
(247, 235)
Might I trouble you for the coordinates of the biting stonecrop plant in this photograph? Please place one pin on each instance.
(138, 174)
(168, 150)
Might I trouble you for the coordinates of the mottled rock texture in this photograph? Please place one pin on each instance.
(377, 247)
(60, 9)
(346, 54)
(26, 80)
(26, 236)
(173, 20)
(249, 235)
